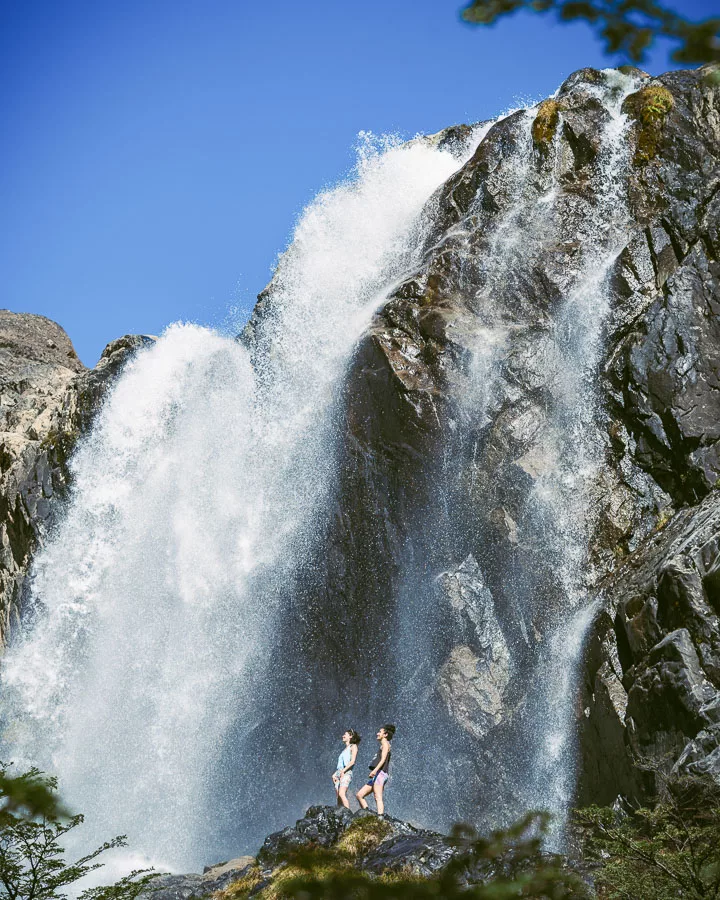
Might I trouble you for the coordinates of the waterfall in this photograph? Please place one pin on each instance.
(195, 495)
(524, 605)
(560, 509)
(186, 566)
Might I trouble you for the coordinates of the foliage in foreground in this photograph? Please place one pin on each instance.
(667, 852)
(507, 864)
(628, 27)
(32, 826)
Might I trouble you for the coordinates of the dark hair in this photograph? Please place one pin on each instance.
(354, 736)
(389, 731)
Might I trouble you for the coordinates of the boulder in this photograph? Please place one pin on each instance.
(194, 887)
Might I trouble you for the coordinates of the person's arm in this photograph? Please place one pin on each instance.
(385, 748)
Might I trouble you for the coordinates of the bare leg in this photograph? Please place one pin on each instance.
(362, 794)
(378, 792)
(342, 796)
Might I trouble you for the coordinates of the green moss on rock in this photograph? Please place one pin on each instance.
(363, 836)
(649, 108)
(545, 124)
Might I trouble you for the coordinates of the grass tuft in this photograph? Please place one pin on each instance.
(545, 125)
(649, 107)
(363, 836)
(240, 889)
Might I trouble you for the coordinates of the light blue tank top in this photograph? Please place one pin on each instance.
(344, 758)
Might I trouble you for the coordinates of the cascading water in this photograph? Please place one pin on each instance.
(194, 498)
(560, 510)
(528, 412)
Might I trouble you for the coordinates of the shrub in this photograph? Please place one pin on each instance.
(32, 826)
(670, 851)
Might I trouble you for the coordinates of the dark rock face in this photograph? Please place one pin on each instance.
(459, 415)
(47, 401)
(652, 692)
(651, 686)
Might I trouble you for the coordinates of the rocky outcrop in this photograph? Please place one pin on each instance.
(210, 881)
(652, 679)
(396, 846)
(373, 846)
(47, 401)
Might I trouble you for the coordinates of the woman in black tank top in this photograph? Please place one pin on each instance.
(379, 770)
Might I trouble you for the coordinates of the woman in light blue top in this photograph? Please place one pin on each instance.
(342, 776)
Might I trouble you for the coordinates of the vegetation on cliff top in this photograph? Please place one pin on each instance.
(545, 124)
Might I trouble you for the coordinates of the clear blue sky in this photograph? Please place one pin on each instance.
(157, 152)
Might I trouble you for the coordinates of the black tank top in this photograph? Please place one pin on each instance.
(386, 765)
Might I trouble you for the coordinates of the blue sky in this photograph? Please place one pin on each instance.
(157, 152)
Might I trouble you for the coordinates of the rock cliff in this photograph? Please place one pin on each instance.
(459, 541)
(528, 443)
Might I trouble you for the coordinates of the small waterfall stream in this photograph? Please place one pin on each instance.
(531, 382)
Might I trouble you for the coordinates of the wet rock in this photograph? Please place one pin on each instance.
(473, 679)
(321, 826)
(422, 853)
(701, 756)
(213, 878)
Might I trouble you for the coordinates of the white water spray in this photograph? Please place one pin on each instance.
(201, 483)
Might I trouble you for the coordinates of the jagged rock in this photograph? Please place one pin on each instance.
(664, 636)
(38, 369)
(473, 679)
(320, 826)
(701, 756)
(423, 853)
(213, 878)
